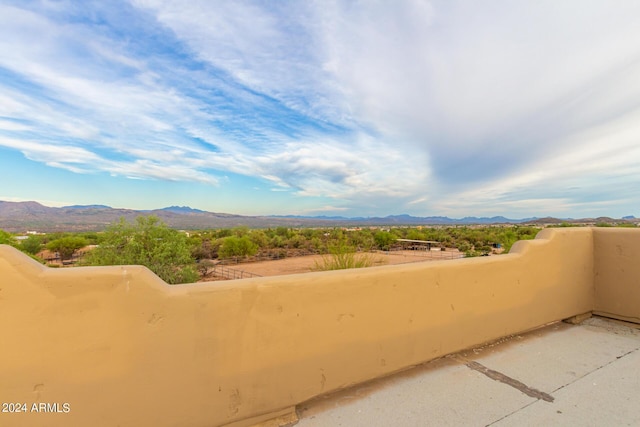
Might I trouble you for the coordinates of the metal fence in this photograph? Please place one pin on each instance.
(429, 254)
(231, 273)
(265, 257)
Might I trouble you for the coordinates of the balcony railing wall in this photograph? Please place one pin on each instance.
(617, 273)
(121, 347)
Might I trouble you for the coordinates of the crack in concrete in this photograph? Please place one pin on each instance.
(597, 369)
(563, 386)
(505, 379)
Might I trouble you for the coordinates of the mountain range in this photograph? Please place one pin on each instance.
(24, 216)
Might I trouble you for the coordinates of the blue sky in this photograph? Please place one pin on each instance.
(354, 108)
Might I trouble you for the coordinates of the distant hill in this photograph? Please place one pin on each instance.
(23, 208)
(181, 210)
(547, 220)
(410, 220)
(23, 216)
(87, 207)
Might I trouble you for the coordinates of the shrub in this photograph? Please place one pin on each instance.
(31, 245)
(67, 246)
(343, 256)
(237, 247)
(7, 238)
(148, 242)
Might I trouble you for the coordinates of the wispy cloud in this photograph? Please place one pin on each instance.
(422, 106)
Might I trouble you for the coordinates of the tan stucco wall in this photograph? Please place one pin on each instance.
(617, 273)
(123, 348)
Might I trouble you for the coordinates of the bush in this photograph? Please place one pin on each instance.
(204, 265)
(237, 247)
(384, 239)
(148, 242)
(343, 256)
(7, 238)
(31, 245)
(66, 246)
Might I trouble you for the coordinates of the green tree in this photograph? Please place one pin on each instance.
(223, 232)
(260, 238)
(415, 234)
(464, 247)
(32, 244)
(91, 237)
(384, 239)
(296, 241)
(626, 224)
(362, 240)
(237, 247)
(67, 246)
(240, 231)
(603, 224)
(283, 232)
(148, 242)
(6, 238)
(277, 242)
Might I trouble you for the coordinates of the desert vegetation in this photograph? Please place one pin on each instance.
(184, 257)
(342, 256)
(147, 242)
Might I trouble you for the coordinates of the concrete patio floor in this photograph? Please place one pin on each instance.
(560, 375)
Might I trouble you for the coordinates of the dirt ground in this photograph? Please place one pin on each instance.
(307, 264)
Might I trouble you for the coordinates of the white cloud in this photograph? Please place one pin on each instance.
(47, 153)
(423, 106)
(144, 169)
(267, 47)
(12, 126)
(593, 169)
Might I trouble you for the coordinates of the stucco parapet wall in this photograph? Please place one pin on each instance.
(617, 273)
(122, 347)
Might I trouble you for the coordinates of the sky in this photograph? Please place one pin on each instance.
(351, 108)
